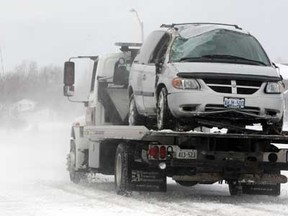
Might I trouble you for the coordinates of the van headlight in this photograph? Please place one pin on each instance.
(274, 88)
(180, 83)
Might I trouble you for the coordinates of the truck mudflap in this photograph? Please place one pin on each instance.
(237, 188)
(131, 175)
(256, 189)
(143, 179)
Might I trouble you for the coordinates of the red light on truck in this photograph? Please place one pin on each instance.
(154, 152)
(162, 152)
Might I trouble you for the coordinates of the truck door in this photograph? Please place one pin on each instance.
(149, 75)
(91, 108)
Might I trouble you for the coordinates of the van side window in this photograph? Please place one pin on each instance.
(136, 60)
(149, 46)
(160, 50)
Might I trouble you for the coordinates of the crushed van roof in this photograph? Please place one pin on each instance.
(187, 30)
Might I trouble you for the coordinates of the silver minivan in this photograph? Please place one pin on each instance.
(205, 74)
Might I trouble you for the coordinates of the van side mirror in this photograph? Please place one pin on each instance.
(69, 78)
(159, 66)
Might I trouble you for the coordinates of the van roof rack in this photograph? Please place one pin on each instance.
(198, 23)
(127, 46)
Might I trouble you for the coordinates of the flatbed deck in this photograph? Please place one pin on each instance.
(142, 133)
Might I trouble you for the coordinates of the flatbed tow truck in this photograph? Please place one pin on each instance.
(141, 159)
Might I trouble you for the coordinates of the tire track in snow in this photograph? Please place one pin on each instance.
(199, 200)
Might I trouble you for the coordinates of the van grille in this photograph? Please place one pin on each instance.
(229, 86)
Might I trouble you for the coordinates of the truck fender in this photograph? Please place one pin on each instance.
(79, 141)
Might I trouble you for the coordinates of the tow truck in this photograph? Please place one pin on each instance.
(141, 159)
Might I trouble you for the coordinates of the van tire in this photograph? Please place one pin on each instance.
(134, 117)
(164, 118)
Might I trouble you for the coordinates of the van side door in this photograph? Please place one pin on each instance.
(149, 76)
(138, 77)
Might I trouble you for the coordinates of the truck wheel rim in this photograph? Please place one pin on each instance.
(118, 170)
(71, 161)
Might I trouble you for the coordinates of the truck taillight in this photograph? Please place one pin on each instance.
(162, 152)
(154, 152)
(157, 152)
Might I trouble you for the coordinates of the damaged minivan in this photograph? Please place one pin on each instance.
(203, 74)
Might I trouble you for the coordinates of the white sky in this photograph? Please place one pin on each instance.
(51, 31)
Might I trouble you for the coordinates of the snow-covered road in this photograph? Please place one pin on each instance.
(34, 181)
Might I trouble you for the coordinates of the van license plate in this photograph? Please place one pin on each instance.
(187, 154)
(234, 102)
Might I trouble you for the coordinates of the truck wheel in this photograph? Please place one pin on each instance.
(134, 117)
(277, 127)
(187, 183)
(235, 188)
(274, 129)
(165, 119)
(75, 176)
(123, 162)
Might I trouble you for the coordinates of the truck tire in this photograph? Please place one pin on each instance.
(75, 175)
(134, 117)
(123, 162)
(187, 183)
(165, 120)
(274, 129)
(277, 128)
(235, 188)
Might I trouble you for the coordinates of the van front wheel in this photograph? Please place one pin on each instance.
(165, 120)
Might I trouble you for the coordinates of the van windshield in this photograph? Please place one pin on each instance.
(219, 45)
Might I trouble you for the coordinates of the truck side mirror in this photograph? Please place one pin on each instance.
(69, 78)
(69, 73)
(68, 91)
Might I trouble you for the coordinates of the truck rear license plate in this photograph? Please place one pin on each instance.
(234, 102)
(187, 154)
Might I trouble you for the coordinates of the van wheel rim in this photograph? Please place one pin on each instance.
(160, 110)
(132, 113)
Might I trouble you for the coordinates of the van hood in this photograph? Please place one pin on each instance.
(226, 70)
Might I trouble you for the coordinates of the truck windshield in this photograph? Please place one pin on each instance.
(219, 46)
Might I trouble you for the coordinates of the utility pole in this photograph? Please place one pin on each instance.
(2, 61)
(140, 23)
